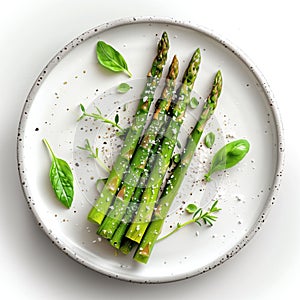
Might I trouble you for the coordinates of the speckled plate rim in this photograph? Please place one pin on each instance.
(185, 24)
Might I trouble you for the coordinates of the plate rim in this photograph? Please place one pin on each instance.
(166, 21)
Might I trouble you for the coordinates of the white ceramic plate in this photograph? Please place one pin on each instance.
(246, 110)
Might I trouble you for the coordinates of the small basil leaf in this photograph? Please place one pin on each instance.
(194, 102)
(111, 59)
(61, 179)
(191, 208)
(123, 88)
(209, 140)
(228, 156)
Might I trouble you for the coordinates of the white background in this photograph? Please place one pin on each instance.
(31, 32)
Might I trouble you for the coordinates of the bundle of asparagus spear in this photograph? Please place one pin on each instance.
(131, 210)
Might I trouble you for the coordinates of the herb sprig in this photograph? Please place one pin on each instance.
(199, 217)
(94, 154)
(99, 116)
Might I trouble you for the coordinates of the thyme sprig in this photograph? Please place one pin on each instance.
(99, 116)
(94, 154)
(199, 217)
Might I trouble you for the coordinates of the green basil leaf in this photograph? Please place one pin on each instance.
(194, 102)
(228, 156)
(123, 88)
(238, 149)
(111, 59)
(61, 179)
(209, 139)
(191, 208)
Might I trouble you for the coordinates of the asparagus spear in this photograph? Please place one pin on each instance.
(173, 184)
(117, 239)
(99, 210)
(141, 155)
(149, 197)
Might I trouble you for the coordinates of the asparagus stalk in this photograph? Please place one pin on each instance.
(117, 239)
(149, 197)
(173, 184)
(140, 157)
(99, 210)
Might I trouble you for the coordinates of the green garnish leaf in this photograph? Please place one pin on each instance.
(111, 59)
(228, 156)
(123, 88)
(194, 102)
(94, 154)
(82, 108)
(61, 178)
(191, 208)
(209, 139)
(117, 118)
(99, 116)
(214, 207)
(207, 218)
